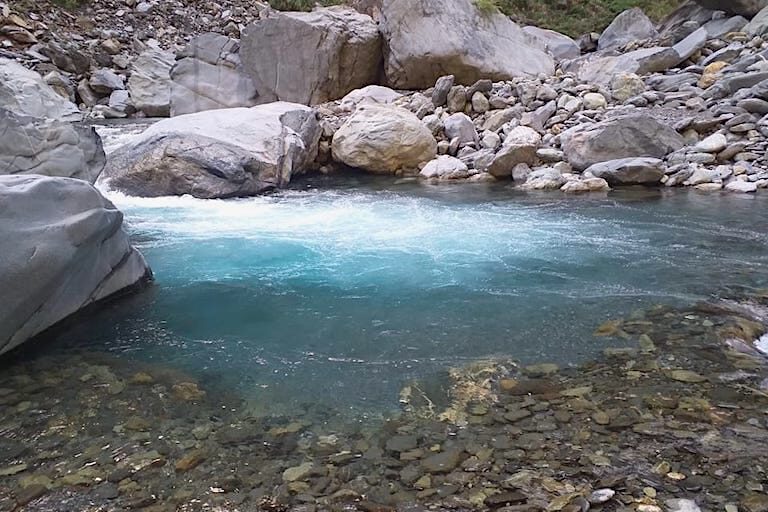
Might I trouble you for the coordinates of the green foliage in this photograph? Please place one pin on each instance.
(576, 17)
(487, 6)
(300, 5)
(70, 5)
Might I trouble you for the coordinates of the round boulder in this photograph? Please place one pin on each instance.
(383, 139)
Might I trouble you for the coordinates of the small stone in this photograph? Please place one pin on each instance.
(646, 343)
(517, 415)
(626, 85)
(577, 392)
(682, 505)
(141, 378)
(298, 472)
(190, 461)
(538, 370)
(594, 101)
(649, 491)
(676, 476)
(601, 418)
(425, 482)
(687, 376)
(443, 462)
(508, 384)
(480, 103)
(712, 144)
(599, 496)
(402, 443)
(756, 502)
(188, 392)
(137, 423)
(442, 87)
(30, 493)
(662, 468)
(13, 470)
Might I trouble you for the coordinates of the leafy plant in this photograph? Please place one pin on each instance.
(487, 6)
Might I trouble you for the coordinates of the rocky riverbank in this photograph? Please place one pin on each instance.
(676, 422)
(441, 92)
(678, 104)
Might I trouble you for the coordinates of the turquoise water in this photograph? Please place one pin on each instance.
(342, 290)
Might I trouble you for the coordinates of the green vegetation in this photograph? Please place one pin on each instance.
(487, 6)
(70, 4)
(300, 5)
(576, 17)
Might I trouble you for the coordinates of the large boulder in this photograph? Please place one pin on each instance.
(627, 136)
(52, 148)
(743, 7)
(601, 67)
(759, 24)
(209, 76)
(383, 139)
(150, 82)
(312, 57)
(560, 46)
(630, 25)
(63, 249)
(629, 171)
(217, 154)
(431, 38)
(24, 92)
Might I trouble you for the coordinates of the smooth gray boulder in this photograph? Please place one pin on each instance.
(217, 154)
(51, 148)
(63, 248)
(629, 171)
(209, 76)
(600, 68)
(743, 7)
(560, 46)
(104, 81)
(630, 25)
(312, 57)
(431, 38)
(759, 24)
(150, 82)
(24, 92)
(635, 135)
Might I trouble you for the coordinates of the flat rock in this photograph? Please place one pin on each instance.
(635, 135)
(443, 462)
(687, 376)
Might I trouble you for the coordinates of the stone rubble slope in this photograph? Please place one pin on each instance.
(691, 94)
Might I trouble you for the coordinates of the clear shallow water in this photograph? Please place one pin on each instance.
(341, 291)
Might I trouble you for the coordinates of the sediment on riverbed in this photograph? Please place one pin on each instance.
(675, 422)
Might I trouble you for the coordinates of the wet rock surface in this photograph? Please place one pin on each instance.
(676, 423)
